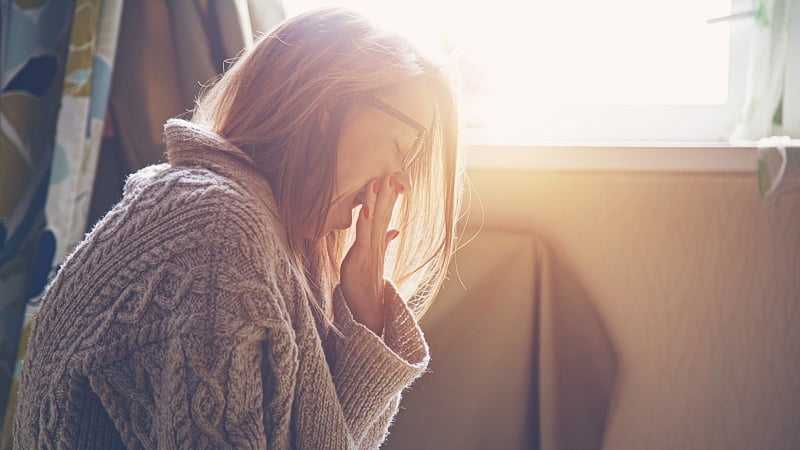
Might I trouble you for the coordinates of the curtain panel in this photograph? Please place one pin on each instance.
(57, 59)
(68, 168)
(35, 40)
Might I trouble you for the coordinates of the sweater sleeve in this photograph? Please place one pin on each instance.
(200, 386)
(369, 372)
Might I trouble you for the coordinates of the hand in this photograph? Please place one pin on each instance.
(362, 267)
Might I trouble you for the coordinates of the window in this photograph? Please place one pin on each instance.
(583, 70)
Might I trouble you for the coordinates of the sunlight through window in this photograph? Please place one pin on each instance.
(522, 63)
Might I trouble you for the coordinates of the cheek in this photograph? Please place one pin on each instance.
(358, 163)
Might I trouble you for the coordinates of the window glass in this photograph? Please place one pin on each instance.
(644, 70)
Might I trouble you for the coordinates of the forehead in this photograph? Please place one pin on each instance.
(412, 98)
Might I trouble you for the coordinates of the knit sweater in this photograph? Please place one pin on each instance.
(178, 322)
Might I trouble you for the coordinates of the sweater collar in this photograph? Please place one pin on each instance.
(191, 144)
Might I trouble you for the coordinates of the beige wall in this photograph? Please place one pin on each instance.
(696, 282)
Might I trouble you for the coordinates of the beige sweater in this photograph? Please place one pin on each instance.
(178, 323)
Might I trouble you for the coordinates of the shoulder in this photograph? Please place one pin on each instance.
(185, 249)
(171, 195)
(227, 219)
(161, 185)
(182, 232)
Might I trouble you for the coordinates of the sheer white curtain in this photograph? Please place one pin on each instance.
(771, 116)
(766, 71)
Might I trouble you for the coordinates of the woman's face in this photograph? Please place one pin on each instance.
(374, 143)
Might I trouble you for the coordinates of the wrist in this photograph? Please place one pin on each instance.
(373, 319)
(366, 306)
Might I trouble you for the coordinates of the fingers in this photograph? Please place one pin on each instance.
(390, 189)
(366, 215)
(391, 235)
(376, 212)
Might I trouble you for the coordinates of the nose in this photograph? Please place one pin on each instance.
(404, 179)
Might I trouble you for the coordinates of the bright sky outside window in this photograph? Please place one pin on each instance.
(523, 61)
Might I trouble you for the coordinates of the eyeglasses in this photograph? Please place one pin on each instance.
(419, 142)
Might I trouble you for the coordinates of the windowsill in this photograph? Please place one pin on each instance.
(627, 157)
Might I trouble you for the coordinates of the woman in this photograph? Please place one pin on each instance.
(229, 300)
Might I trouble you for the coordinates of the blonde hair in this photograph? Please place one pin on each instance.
(270, 103)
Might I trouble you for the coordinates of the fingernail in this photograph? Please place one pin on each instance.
(375, 187)
(365, 209)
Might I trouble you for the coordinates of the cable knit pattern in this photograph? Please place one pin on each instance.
(179, 323)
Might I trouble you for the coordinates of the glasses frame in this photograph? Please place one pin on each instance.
(422, 131)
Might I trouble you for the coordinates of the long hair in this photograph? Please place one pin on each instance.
(270, 104)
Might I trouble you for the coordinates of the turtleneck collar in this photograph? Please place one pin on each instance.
(191, 144)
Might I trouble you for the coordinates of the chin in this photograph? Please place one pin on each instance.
(340, 217)
(344, 223)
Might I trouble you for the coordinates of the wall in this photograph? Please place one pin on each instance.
(696, 281)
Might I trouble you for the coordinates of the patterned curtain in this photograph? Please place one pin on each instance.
(56, 80)
(57, 58)
(35, 38)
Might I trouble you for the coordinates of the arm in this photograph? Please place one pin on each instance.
(370, 373)
(200, 386)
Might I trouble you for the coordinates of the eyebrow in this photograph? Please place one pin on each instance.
(397, 114)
